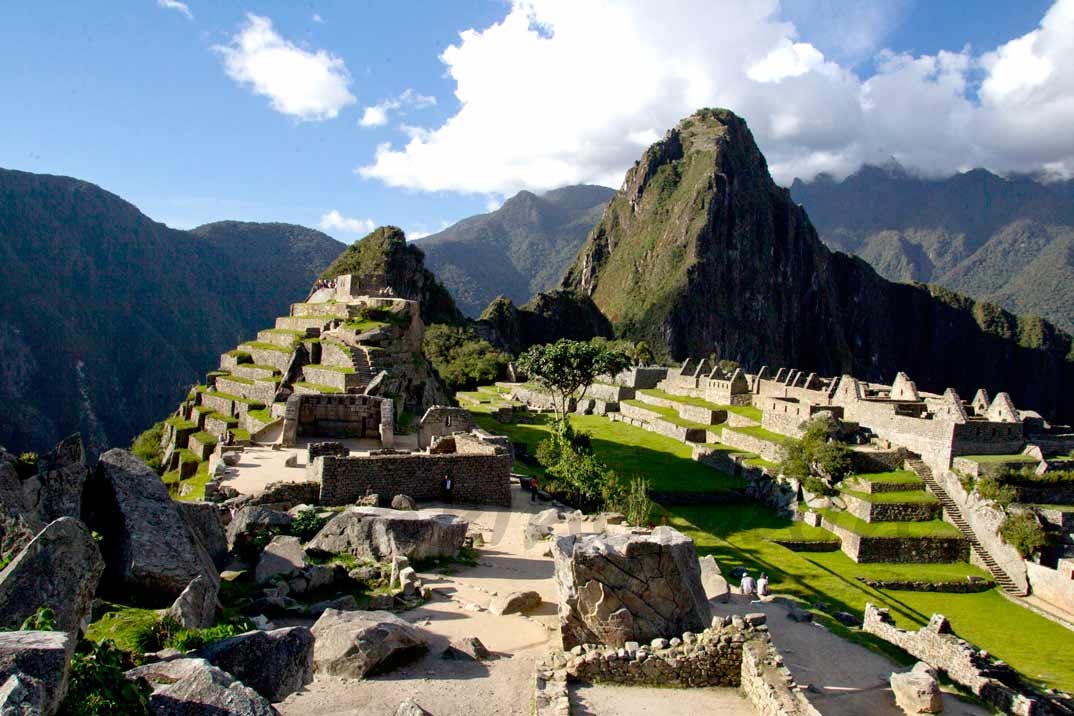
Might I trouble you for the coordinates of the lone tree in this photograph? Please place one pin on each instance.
(566, 368)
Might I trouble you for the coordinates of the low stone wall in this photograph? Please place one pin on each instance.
(217, 403)
(891, 511)
(641, 377)
(767, 450)
(768, 684)
(735, 420)
(970, 585)
(899, 550)
(693, 413)
(777, 493)
(1062, 494)
(328, 376)
(215, 425)
(478, 479)
(534, 399)
(864, 458)
(609, 393)
(654, 422)
(993, 681)
(795, 545)
(279, 360)
(289, 494)
(202, 450)
(1055, 586)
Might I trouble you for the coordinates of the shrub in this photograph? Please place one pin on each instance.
(26, 466)
(994, 489)
(573, 469)
(634, 501)
(190, 639)
(155, 635)
(461, 359)
(819, 487)
(44, 619)
(97, 685)
(1023, 532)
(818, 453)
(307, 524)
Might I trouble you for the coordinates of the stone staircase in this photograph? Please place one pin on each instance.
(950, 508)
(362, 365)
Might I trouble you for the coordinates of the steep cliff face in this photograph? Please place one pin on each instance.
(108, 317)
(701, 252)
(545, 319)
(386, 251)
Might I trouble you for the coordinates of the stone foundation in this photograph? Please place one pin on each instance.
(891, 511)
(899, 550)
(766, 449)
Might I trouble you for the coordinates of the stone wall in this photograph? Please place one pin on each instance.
(339, 416)
(985, 519)
(786, 415)
(641, 377)
(442, 420)
(891, 511)
(767, 450)
(479, 479)
(993, 681)
(217, 403)
(1055, 586)
(866, 458)
(779, 494)
(693, 413)
(768, 684)
(288, 494)
(899, 550)
(711, 658)
(279, 360)
(339, 379)
(654, 422)
(535, 399)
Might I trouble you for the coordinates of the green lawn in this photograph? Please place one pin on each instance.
(627, 449)
(362, 325)
(906, 497)
(670, 415)
(122, 624)
(897, 477)
(267, 347)
(932, 528)
(746, 411)
(346, 370)
(762, 434)
(197, 483)
(740, 536)
(326, 389)
(984, 459)
(179, 423)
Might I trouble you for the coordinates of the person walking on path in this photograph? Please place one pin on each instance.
(534, 486)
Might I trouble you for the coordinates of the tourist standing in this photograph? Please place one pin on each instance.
(534, 487)
(762, 585)
(447, 486)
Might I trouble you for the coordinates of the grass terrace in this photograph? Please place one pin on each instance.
(180, 423)
(908, 496)
(762, 434)
(261, 345)
(287, 332)
(1001, 459)
(237, 379)
(262, 414)
(896, 477)
(746, 411)
(361, 325)
(326, 389)
(932, 528)
(335, 368)
(672, 417)
(196, 483)
(230, 420)
(236, 398)
(241, 356)
(204, 438)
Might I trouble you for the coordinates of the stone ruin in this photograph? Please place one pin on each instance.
(615, 589)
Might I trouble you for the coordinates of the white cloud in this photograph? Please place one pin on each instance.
(308, 85)
(417, 235)
(177, 6)
(317, 18)
(377, 114)
(334, 221)
(561, 92)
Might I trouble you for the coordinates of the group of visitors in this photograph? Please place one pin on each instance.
(324, 283)
(750, 587)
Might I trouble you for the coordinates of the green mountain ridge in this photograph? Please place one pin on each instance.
(517, 251)
(109, 316)
(998, 239)
(700, 252)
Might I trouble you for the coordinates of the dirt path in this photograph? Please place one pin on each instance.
(845, 679)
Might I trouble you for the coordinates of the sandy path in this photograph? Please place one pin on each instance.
(846, 679)
(639, 701)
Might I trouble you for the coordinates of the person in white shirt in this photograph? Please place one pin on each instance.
(762, 585)
(748, 585)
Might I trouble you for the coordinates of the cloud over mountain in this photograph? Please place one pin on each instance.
(565, 92)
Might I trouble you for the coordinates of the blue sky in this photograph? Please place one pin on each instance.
(148, 98)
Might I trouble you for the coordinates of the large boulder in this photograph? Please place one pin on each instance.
(41, 660)
(186, 687)
(21, 696)
(283, 557)
(916, 691)
(56, 490)
(274, 663)
(206, 522)
(59, 569)
(145, 540)
(357, 644)
(515, 603)
(712, 581)
(404, 502)
(195, 608)
(619, 588)
(376, 533)
(253, 520)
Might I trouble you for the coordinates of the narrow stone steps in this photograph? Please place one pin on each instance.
(950, 507)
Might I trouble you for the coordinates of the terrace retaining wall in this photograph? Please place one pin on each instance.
(898, 550)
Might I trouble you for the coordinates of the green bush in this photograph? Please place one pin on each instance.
(26, 466)
(155, 635)
(98, 686)
(307, 524)
(819, 487)
(634, 501)
(818, 453)
(574, 472)
(994, 489)
(44, 619)
(190, 639)
(461, 359)
(1023, 532)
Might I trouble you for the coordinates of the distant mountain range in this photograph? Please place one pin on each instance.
(517, 251)
(701, 252)
(1005, 240)
(108, 316)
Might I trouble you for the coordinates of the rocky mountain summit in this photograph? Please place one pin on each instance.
(109, 316)
(701, 252)
(1008, 240)
(516, 251)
